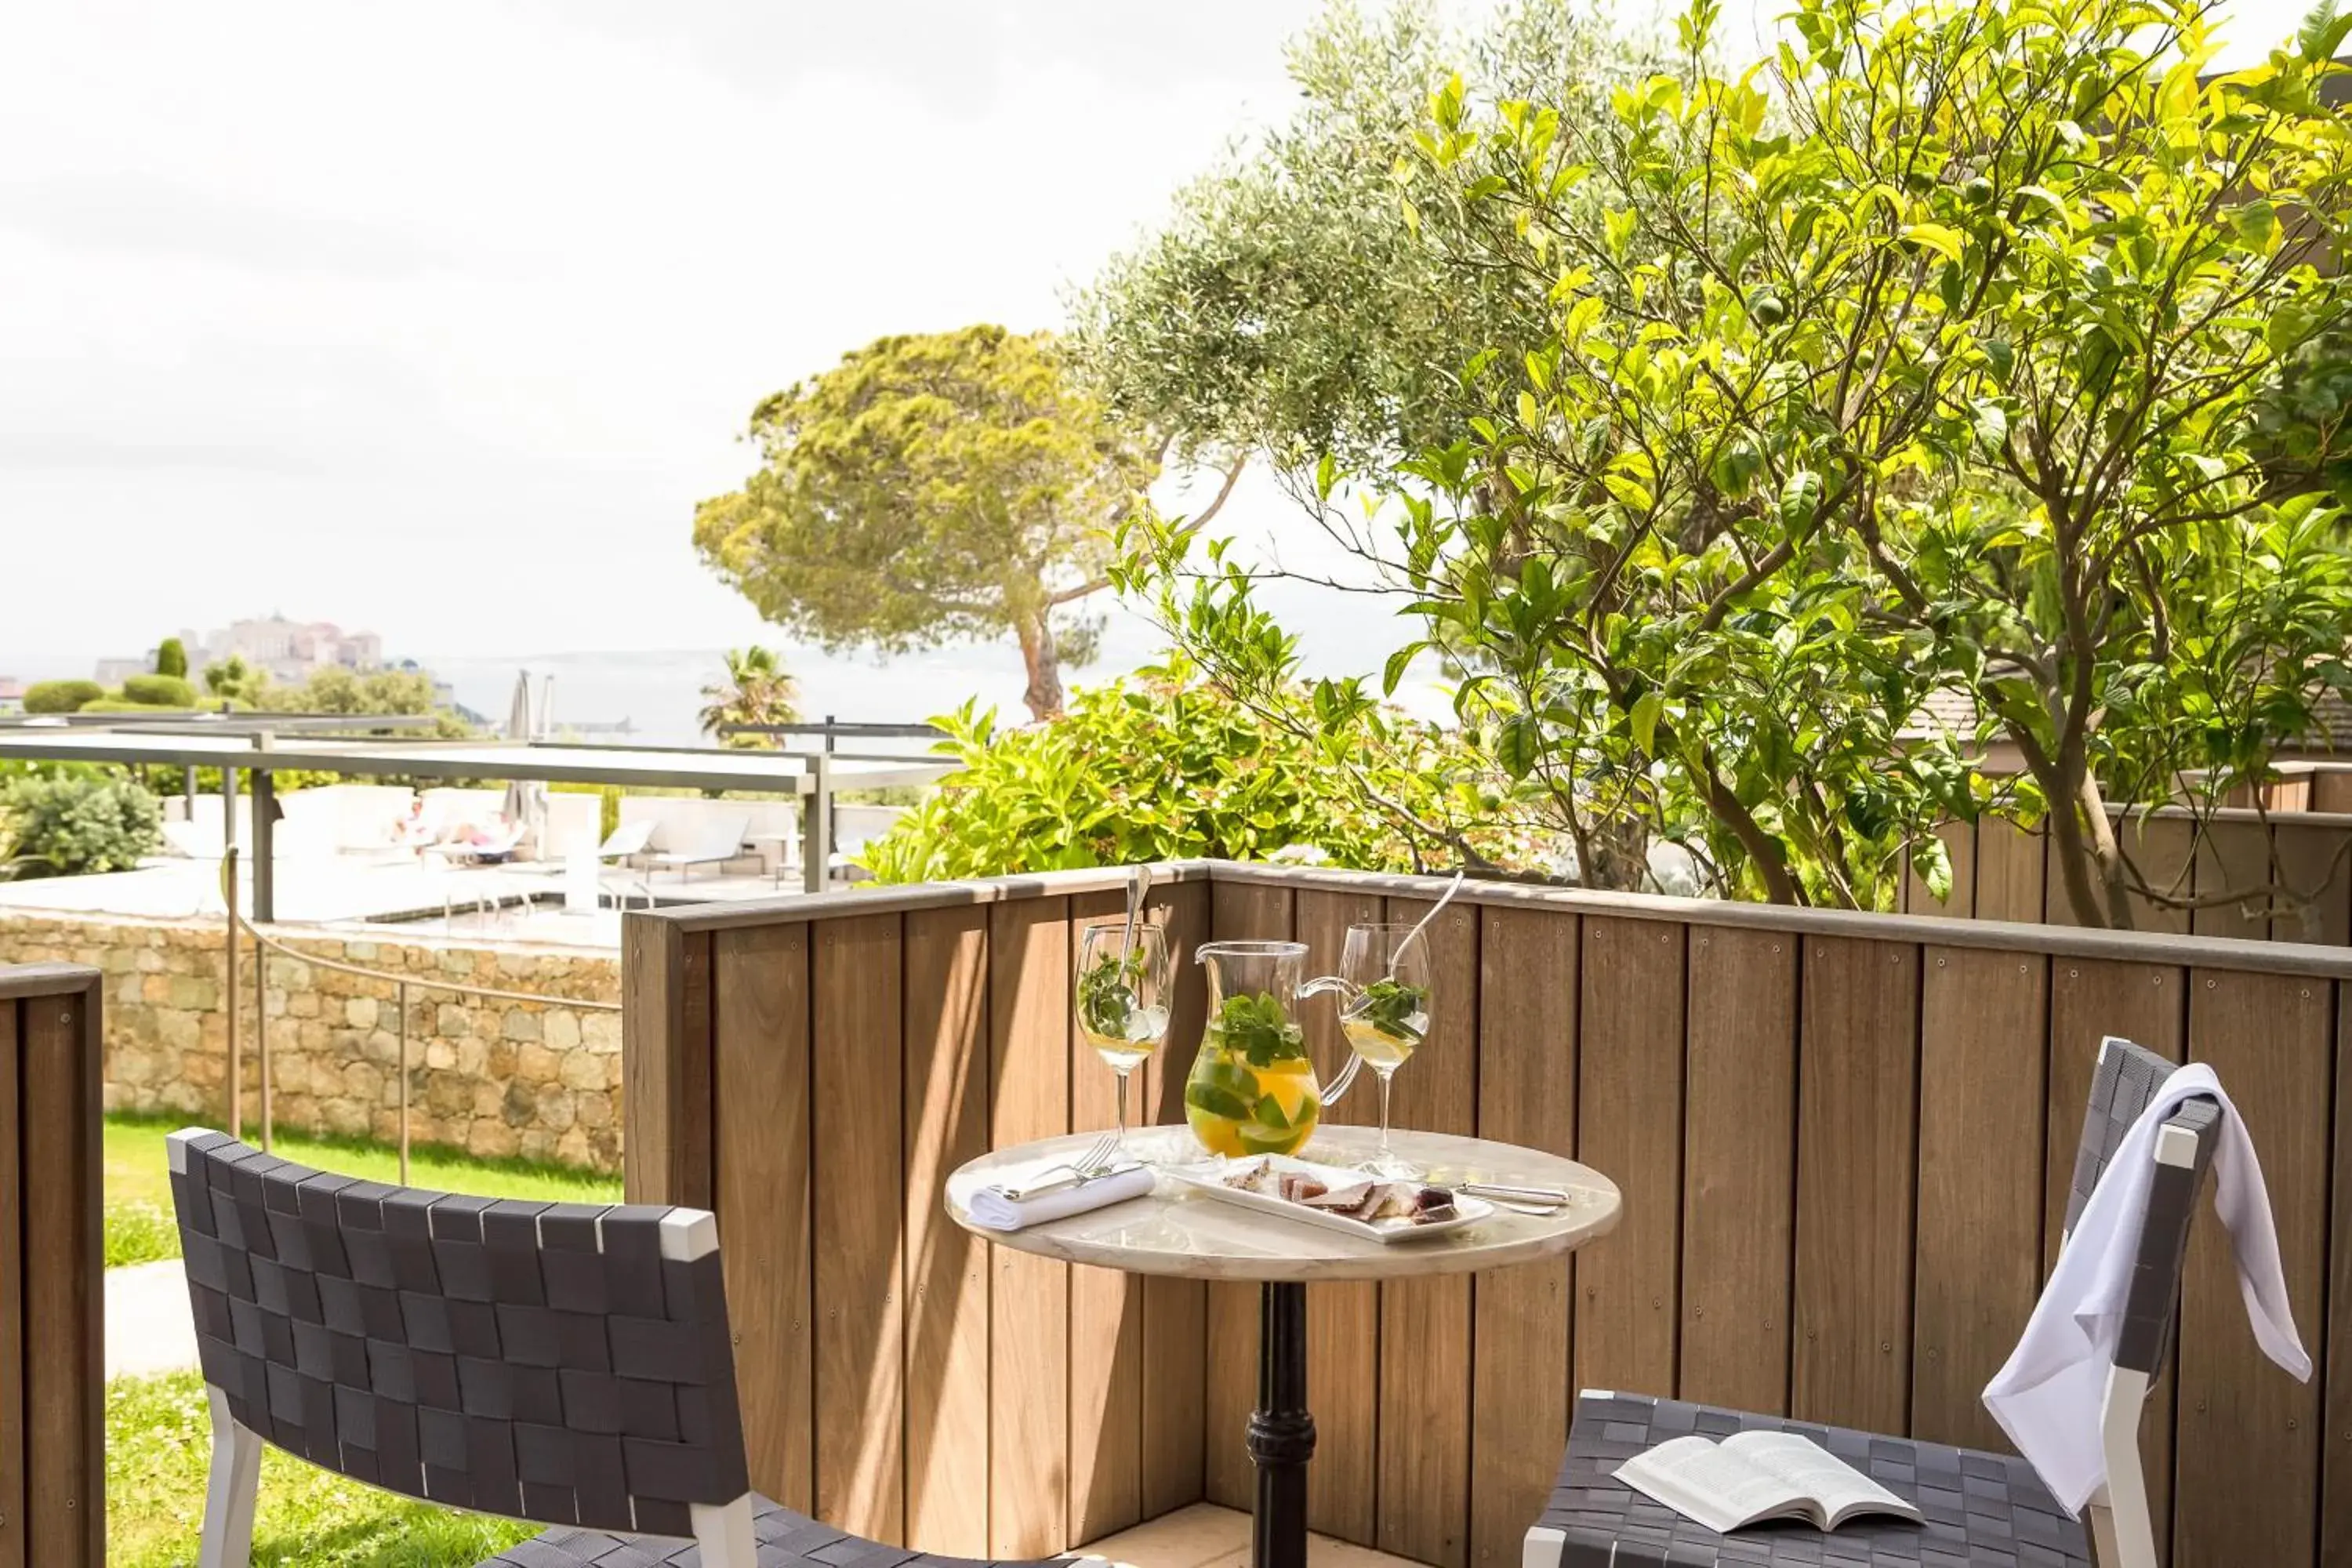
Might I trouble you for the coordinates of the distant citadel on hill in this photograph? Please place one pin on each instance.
(291, 651)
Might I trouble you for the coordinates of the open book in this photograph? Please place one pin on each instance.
(1755, 1476)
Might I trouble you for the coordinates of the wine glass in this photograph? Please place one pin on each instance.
(1386, 1014)
(1124, 982)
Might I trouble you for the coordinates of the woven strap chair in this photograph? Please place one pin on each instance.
(1980, 1507)
(562, 1364)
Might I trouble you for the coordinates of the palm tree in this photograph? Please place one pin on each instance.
(757, 690)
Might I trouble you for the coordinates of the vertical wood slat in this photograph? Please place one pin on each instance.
(1959, 847)
(2012, 873)
(1029, 1300)
(1857, 1105)
(2336, 1364)
(858, 1105)
(12, 1298)
(1238, 913)
(2143, 1004)
(2165, 850)
(1739, 1142)
(1175, 1311)
(1519, 1340)
(1106, 1375)
(2248, 1443)
(665, 1051)
(62, 1061)
(1629, 1109)
(1984, 1021)
(761, 1074)
(2309, 861)
(1343, 1319)
(947, 1084)
(1424, 1396)
(2231, 855)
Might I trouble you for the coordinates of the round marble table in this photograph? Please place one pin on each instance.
(1176, 1230)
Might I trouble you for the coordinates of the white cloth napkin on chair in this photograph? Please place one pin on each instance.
(992, 1210)
(2049, 1397)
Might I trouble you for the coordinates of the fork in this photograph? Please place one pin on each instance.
(1087, 1167)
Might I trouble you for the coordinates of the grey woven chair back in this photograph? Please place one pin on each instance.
(2124, 1085)
(561, 1362)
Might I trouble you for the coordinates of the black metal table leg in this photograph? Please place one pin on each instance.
(1281, 1431)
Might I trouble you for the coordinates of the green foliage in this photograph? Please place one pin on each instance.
(1291, 305)
(69, 824)
(1934, 358)
(61, 696)
(758, 691)
(234, 680)
(171, 658)
(159, 691)
(1261, 1028)
(1390, 1007)
(1166, 765)
(1107, 990)
(929, 490)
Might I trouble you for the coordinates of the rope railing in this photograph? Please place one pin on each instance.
(400, 982)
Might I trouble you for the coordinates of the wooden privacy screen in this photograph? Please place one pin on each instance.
(2004, 872)
(1844, 1142)
(52, 1300)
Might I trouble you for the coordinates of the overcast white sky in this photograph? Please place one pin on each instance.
(438, 318)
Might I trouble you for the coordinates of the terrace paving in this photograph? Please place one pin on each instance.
(1207, 1536)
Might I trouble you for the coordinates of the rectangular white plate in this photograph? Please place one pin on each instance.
(1207, 1178)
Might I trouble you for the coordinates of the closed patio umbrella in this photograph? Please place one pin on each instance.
(526, 803)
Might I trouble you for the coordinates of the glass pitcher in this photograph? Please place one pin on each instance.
(1252, 1088)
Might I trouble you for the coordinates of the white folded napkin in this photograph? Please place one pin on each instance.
(2048, 1398)
(992, 1210)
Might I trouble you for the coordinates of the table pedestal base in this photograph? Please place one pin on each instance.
(1281, 1431)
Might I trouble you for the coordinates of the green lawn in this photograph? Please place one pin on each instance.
(139, 1228)
(158, 1446)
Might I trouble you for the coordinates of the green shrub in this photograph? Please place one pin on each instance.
(61, 696)
(1166, 765)
(171, 658)
(159, 691)
(68, 825)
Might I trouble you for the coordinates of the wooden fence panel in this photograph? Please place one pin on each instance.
(761, 1067)
(1242, 911)
(1527, 1095)
(1424, 1396)
(1983, 1021)
(1343, 1319)
(11, 1293)
(2334, 1362)
(2013, 881)
(1029, 1302)
(947, 1087)
(2248, 1440)
(1844, 1160)
(1175, 1311)
(2316, 861)
(1628, 1124)
(2234, 854)
(1960, 847)
(1105, 1313)
(1739, 1165)
(2164, 849)
(858, 1105)
(61, 1375)
(1857, 1101)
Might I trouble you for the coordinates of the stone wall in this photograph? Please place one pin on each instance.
(492, 1078)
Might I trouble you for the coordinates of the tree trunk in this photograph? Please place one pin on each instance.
(1042, 659)
(1619, 852)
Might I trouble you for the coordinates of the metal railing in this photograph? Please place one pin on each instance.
(399, 981)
